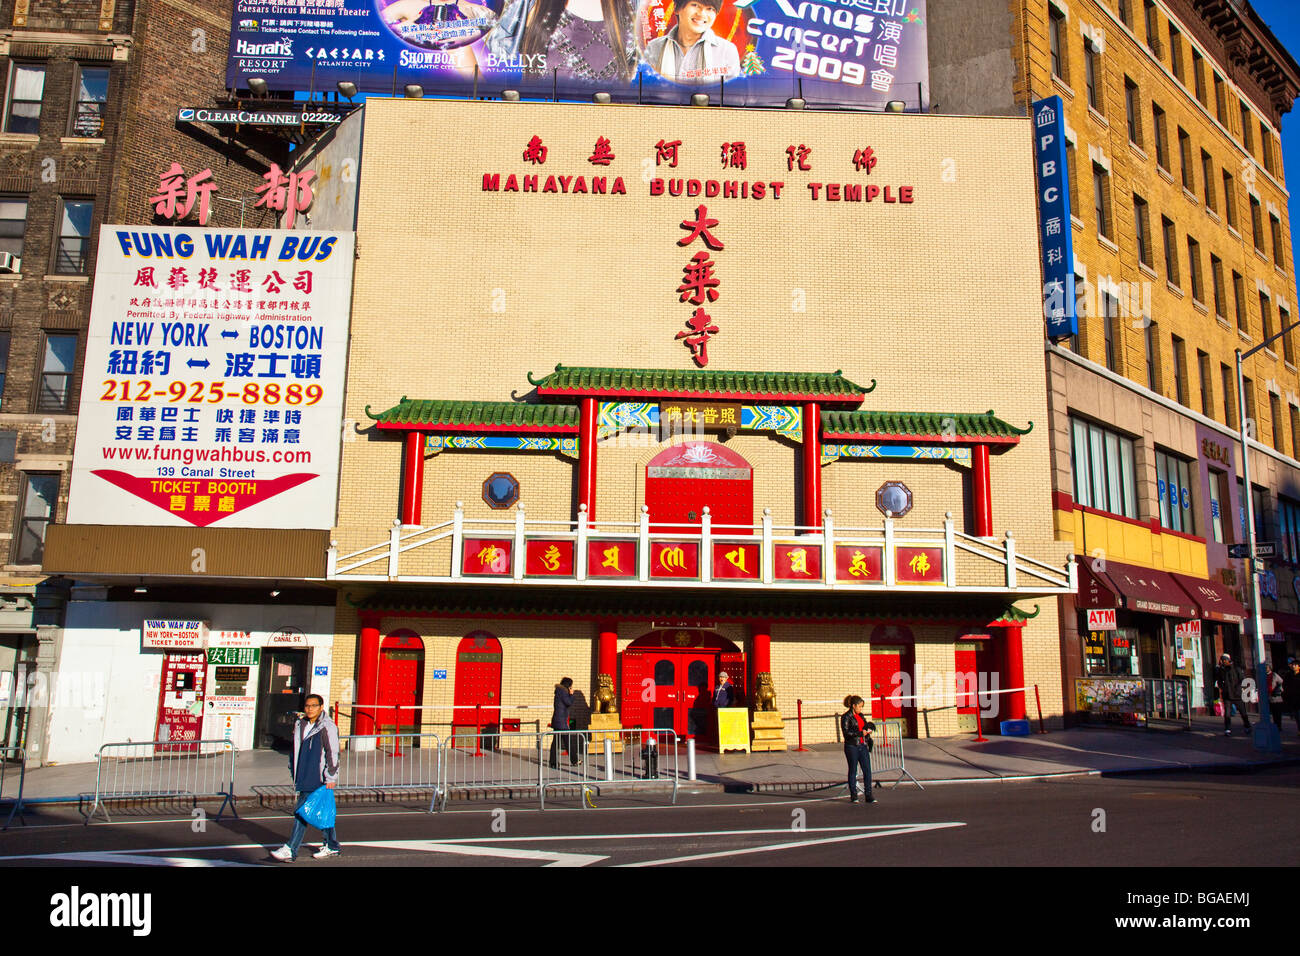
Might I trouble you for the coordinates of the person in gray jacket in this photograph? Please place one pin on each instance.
(313, 763)
(560, 718)
(691, 53)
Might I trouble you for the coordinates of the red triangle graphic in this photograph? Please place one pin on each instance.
(202, 501)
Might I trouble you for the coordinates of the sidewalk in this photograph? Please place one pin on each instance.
(941, 760)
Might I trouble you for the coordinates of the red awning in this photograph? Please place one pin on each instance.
(1112, 584)
(1215, 601)
(1283, 622)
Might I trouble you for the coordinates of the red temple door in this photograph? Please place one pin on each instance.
(682, 480)
(477, 698)
(401, 679)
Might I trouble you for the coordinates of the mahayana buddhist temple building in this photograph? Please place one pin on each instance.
(637, 395)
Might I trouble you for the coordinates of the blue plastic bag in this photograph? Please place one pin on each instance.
(318, 810)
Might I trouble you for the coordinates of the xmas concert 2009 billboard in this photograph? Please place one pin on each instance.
(213, 386)
(742, 52)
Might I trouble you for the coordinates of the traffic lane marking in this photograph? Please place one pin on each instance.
(798, 844)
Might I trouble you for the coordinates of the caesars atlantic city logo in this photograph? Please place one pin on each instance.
(76, 909)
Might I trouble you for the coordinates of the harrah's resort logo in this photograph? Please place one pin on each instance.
(74, 910)
(282, 47)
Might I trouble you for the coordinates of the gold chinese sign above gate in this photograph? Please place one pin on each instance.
(701, 415)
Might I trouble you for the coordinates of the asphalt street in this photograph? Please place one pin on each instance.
(1160, 820)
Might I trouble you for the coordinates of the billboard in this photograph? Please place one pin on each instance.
(742, 52)
(213, 379)
(1059, 302)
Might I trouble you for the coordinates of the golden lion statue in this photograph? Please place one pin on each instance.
(765, 696)
(605, 701)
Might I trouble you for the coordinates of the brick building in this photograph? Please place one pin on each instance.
(1182, 256)
(91, 89)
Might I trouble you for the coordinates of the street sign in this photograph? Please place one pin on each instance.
(1264, 549)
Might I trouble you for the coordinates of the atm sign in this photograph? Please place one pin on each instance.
(1101, 619)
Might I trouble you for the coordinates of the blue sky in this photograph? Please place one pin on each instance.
(1283, 18)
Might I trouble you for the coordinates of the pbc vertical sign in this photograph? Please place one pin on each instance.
(1057, 242)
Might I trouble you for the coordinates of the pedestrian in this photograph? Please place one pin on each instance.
(579, 721)
(725, 694)
(560, 715)
(1273, 681)
(857, 747)
(1227, 678)
(1291, 694)
(313, 763)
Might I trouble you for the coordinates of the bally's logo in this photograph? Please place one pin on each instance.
(75, 909)
(282, 47)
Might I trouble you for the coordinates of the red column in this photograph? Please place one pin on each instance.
(367, 697)
(760, 653)
(812, 464)
(587, 457)
(412, 477)
(981, 491)
(607, 650)
(1014, 671)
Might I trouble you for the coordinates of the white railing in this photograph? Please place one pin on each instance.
(797, 557)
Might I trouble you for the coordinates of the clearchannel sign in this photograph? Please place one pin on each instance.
(741, 52)
(226, 117)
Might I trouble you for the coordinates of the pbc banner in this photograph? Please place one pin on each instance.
(743, 52)
(212, 391)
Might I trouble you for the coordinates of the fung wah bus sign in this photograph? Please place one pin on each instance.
(744, 52)
(213, 384)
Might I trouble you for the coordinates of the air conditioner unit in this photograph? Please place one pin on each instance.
(10, 262)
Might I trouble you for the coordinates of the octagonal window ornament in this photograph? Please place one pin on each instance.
(895, 498)
(500, 490)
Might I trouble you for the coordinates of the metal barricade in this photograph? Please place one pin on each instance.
(8, 757)
(388, 764)
(633, 759)
(498, 764)
(160, 770)
(887, 752)
(1168, 699)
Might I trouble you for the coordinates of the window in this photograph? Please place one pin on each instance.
(1185, 159)
(1275, 227)
(1109, 319)
(1275, 415)
(92, 94)
(1295, 429)
(1104, 477)
(1216, 276)
(1142, 229)
(1076, 210)
(1131, 112)
(1198, 76)
(1218, 494)
(1220, 100)
(1176, 53)
(1149, 333)
(1266, 146)
(1149, 15)
(40, 495)
(1179, 357)
(4, 364)
(1101, 201)
(1288, 520)
(73, 252)
(1207, 173)
(1247, 131)
(1265, 317)
(1194, 269)
(1229, 391)
(1229, 200)
(56, 372)
(1092, 75)
(1174, 486)
(1162, 136)
(1056, 34)
(1257, 223)
(26, 89)
(1288, 344)
(1239, 294)
(1171, 250)
(13, 224)
(1122, 6)
(1248, 406)
(1257, 503)
(1207, 399)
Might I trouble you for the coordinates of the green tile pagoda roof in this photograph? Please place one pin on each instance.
(883, 426)
(477, 416)
(679, 604)
(772, 387)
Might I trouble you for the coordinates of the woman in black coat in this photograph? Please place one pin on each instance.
(857, 747)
